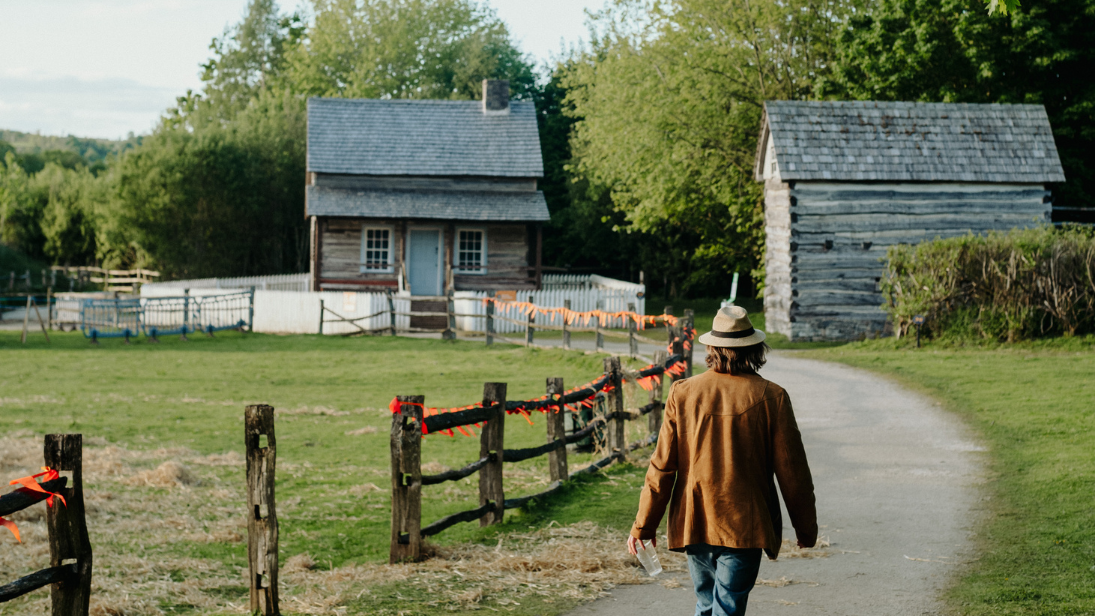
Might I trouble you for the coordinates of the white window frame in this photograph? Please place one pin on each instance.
(456, 253)
(365, 228)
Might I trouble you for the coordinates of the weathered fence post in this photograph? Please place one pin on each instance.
(671, 334)
(67, 526)
(556, 429)
(566, 328)
(406, 448)
(654, 418)
(490, 323)
(262, 519)
(321, 310)
(26, 321)
(450, 313)
(615, 428)
(391, 313)
(599, 345)
(491, 443)
(530, 321)
(186, 314)
(689, 325)
(251, 310)
(632, 343)
(49, 305)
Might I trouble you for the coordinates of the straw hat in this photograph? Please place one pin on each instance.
(732, 329)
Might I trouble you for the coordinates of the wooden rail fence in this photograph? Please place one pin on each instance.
(411, 421)
(69, 573)
(448, 316)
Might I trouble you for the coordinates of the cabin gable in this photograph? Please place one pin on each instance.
(425, 197)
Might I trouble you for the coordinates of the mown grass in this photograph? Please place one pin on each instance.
(1034, 406)
(332, 429)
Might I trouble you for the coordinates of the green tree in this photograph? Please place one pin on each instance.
(438, 49)
(668, 100)
(212, 199)
(250, 56)
(948, 51)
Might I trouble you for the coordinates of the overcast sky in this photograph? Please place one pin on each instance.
(104, 68)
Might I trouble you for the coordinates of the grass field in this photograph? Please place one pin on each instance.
(175, 545)
(1033, 404)
(164, 425)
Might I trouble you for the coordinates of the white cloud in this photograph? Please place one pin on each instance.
(107, 108)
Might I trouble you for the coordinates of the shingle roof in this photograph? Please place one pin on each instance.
(422, 137)
(447, 205)
(888, 141)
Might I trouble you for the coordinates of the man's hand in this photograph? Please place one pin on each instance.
(632, 545)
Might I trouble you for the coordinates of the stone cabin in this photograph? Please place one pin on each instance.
(844, 181)
(425, 196)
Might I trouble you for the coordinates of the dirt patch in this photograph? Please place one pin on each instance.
(141, 503)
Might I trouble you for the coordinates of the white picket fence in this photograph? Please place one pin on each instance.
(280, 282)
(282, 310)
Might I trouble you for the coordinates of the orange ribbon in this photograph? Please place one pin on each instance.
(12, 527)
(31, 483)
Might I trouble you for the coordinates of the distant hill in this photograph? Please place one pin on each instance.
(91, 150)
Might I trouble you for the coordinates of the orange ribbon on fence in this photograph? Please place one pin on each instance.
(31, 483)
(572, 317)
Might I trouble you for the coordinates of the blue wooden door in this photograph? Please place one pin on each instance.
(424, 261)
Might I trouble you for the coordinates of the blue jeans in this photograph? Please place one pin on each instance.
(723, 578)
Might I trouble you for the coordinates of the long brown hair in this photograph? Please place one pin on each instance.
(737, 360)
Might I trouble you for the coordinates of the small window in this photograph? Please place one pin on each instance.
(376, 249)
(471, 251)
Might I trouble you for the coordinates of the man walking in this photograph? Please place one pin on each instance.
(726, 433)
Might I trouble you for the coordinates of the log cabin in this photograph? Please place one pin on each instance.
(844, 181)
(425, 196)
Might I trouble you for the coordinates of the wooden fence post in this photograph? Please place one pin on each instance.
(615, 428)
(406, 448)
(530, 320)
(556, 429)
(491, 441)
(262, 519)
(632, 343)
(450, 310)
(490, 323)
(67, 526)
(689, 325)
(321, 309)
(566, 329)
(391, 313)
(654, 418)
(49, 306)
(669, 329)
(251, 311)
(599, 344)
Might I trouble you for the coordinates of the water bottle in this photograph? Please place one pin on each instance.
(649, 558)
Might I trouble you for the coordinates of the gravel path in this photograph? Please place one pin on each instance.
(896, 481)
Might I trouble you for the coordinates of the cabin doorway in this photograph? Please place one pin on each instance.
(424, 261)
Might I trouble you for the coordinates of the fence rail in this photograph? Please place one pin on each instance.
(411, 420)
(164, 316)
(70, 568)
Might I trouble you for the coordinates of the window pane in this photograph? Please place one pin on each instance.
(377, 247)
(469, 253)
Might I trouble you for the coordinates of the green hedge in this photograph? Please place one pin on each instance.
(1025, 283)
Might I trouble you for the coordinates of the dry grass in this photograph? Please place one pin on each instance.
(141, 503)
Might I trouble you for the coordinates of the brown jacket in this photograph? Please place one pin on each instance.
(723, 438)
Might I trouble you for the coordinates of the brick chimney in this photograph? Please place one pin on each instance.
(495, 97)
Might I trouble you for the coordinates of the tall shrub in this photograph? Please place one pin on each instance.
(1005, 286)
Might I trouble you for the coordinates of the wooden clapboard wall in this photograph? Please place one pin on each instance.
(508, 255)
(826, 242)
